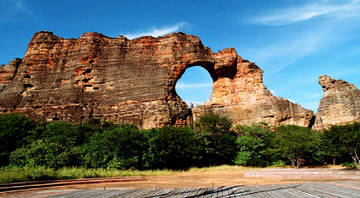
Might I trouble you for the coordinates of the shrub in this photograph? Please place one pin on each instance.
(349, 165)
(56, 148)
(119, 147)
(218, 139)
(279, 163)
(345, 137)
(129, 145)
(172, 148)
(14, 129)
(44, 153)
(63, 133)
(295, 142)
(98, 152)
(252, 144)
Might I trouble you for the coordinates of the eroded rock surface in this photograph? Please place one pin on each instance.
(245, 100)
(339, 105)
(126, 80)
(8, 72)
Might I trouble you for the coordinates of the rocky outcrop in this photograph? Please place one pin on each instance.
(126, 80)
(245, 100)
(7, 72)
(339, 105)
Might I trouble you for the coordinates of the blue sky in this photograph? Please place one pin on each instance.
(294, 42)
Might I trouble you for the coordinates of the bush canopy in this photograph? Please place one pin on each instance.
(211, 141)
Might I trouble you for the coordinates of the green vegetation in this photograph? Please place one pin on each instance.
(172, 148)
(252, 145)
(16, 174)
(295, 143)
(41, 150)
(218, 139)
(14, 129)
(345, 139)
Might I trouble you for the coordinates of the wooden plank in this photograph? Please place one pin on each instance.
(281, 190)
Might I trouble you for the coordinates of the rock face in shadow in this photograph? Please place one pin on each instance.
(124, 80)
(339, 105)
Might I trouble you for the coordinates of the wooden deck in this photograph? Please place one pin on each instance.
(281, 190)
(306, 173)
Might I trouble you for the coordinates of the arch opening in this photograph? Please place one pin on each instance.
(195, 86)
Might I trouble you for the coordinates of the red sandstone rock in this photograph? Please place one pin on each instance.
(339, 105)
(126, 80)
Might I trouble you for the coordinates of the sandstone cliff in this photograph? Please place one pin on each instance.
(339, 105)
(244, 98)
(126, 80)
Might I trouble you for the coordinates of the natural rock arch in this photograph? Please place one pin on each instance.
(134, 81)
(193, 76)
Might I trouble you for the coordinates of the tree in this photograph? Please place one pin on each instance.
(332, 145)
(118, 146)
(98, 152)
(173, 148)
(129, 144)
(45, 153)
(63, 133)
(218, 137)
(56, 147)
(14, 129)
(88, 129)
(252, 144)
(294, 142)
(348, 136)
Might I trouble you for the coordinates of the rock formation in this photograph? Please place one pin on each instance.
(126, 80)
(339, 105)
(245, 100)
(7, 72)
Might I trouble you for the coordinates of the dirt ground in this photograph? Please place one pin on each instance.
(197, 179)
(190, 179)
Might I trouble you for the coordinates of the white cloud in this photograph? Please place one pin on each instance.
(279, 55)
(195, 103)
(11, 10)
(308, 11)
(273, 92)
(339, 25)
(353, 70)
(316, 95)
(181, 85)
(155, 32)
